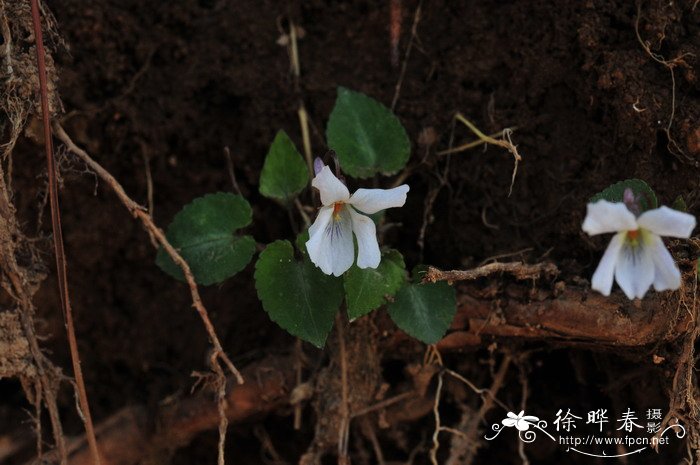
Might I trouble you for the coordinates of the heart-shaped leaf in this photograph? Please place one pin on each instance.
(366, 289)
(366, 135)
(301, 240)
(297, 295)
(641, 190)
(284, 173)
(425, 311)
(680, 205)
(203, 233)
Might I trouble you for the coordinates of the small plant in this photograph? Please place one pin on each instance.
(302, 284)
(636, 256)
(337, 262)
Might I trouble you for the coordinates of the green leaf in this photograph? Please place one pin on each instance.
(680, 205)
(302, 239)
(366, 135)
(297, 295)
(284, 173)
(203, 233)
(640, 189)
(378, 217)
(366, 289)
(425, 311)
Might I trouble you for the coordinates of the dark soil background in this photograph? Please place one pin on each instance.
(173, 83)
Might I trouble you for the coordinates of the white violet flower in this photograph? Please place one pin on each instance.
(636, 255)
(330, 243)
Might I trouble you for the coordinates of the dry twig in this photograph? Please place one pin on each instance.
(217, 354)
(521, 271)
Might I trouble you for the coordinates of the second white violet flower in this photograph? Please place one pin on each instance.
(636, 257)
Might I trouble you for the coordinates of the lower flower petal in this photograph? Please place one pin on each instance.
(667, 276)
(322, 219)
(602, 280)
(368, 255)
(634, 271)
(331, 247)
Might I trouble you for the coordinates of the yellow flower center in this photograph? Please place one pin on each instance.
(636, 237)
(337, 207)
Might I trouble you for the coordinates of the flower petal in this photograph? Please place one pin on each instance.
(373, 200)
(667, 276)
(606, 217)
(666, 221)
(330, 187)
(634, 271)
(602, 280)
(508, 422)
(368, 255)
(322, 219)
(331, 247)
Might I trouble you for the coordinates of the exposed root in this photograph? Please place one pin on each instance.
(684, 394)
(18, 99)
(40, 380)
(469, 430)
(128, 437)
(569, 316)
(673, 146)
(563, 315)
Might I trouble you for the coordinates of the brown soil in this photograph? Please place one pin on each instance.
(174, 83)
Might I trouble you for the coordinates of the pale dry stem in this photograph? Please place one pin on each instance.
(82, 402)
(505, 142)
(344, 430)
(231, 170)
(402, 73)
